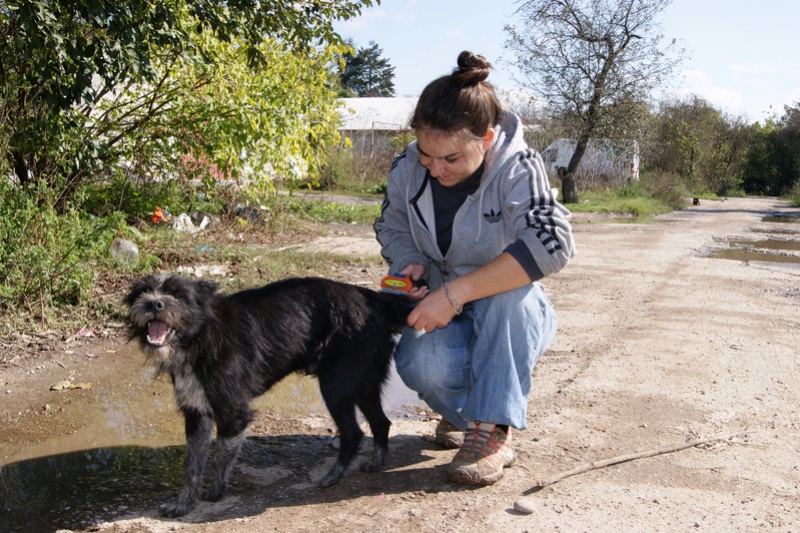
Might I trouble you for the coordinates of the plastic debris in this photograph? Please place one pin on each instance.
(124, 251)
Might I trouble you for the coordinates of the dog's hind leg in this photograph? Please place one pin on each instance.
(198, 437)
(341, 405)
(222, 461)
(379, 425)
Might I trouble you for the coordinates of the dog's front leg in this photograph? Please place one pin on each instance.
(222, 460)
(198, 438)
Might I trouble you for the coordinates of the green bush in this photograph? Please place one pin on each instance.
(138, 201)
(46, 256)
(665, 187)
(339, 166)
(322, 211)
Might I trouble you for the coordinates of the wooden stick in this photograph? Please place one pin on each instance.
(542, 483)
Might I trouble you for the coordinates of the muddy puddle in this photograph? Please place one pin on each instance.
(782, 218)
(779, 244)
(128, 449)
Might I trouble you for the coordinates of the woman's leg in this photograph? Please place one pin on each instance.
(437, 366)
(479, 367)
(512, 330)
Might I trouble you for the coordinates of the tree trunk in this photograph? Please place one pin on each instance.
(20, 168)
(568, 192)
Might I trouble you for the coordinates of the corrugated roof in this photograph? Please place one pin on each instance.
(391, 114)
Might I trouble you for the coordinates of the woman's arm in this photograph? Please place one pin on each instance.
(436, 310)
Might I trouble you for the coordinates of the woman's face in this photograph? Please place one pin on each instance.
(449, 157)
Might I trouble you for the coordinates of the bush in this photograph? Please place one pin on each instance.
(139, 200)
(339, 166)
(666, 187)
(46, 255)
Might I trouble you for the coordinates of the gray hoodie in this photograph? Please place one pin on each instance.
(513, 205)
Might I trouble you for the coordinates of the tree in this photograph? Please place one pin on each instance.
(62, 59)
(594, 62)
(695, 141)
(366, 73)
(105, 91)
(773, 164)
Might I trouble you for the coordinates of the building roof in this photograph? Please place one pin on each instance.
(389, 114)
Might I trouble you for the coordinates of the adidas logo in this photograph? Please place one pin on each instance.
(493, 217)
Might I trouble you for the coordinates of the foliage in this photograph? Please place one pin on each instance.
(324, 211)
(693, 140)
(64, 58)
(637, 200)
(773, 163)
(44, 254)
(209, 122)
(348, 171)
(137, 201)
(338, 166)
(667, 188)
(365, 73)
(594, 63)
(109, 108)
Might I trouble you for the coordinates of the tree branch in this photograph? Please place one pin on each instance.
(588, 467)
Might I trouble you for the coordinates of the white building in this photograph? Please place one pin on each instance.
(603, 161)
(370, 123)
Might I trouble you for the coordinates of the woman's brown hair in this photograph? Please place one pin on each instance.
(460, 102)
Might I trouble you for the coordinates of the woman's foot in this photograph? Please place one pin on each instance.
(448, 436)
(485, 452)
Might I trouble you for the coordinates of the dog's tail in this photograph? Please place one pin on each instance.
(395, 307)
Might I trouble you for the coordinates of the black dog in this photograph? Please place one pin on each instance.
(224, 350)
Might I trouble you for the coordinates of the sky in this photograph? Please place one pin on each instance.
(742, 57)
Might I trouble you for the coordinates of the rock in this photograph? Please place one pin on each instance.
(524, 505)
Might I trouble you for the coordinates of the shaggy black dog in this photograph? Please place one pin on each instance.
(224, 350)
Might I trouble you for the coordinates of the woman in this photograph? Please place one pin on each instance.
(469, 207)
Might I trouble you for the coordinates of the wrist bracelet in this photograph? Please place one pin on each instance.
(457, 307)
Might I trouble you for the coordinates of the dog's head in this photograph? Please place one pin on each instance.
(166, 311)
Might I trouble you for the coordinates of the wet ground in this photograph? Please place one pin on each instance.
(779, 246)
(127, 445)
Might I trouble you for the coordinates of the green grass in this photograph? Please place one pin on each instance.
(622, 202)
(324, 211)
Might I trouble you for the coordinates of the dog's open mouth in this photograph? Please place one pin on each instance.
(158, 333)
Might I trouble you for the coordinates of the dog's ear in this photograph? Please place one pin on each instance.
(207, 288)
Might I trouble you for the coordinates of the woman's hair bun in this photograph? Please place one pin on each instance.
(472, 69)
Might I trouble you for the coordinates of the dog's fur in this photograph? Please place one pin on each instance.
(222, 351)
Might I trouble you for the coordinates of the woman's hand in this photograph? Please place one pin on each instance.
(416, 271)
(434, 311)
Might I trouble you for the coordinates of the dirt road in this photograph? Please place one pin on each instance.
(659, 345)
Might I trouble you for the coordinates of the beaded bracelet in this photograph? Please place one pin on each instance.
(457, 307)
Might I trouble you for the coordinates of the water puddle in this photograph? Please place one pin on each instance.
(766, 244)
(784, 249)
(748, 256)
(75, 490)
(789, 219)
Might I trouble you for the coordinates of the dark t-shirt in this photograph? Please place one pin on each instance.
(447, 201)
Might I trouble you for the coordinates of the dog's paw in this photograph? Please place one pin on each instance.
(174, 510)
(372, 466)
(332, 477)
(377, 462)
(213, 495)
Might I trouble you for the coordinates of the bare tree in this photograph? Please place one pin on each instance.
(594, 63)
